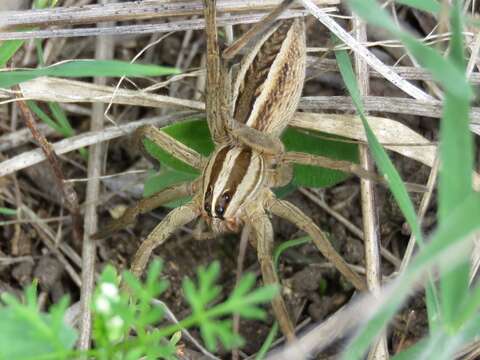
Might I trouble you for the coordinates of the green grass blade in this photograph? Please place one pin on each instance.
(470, 306)
(442, 345)
(430, 6)
(450, 77)
(455, 142)
(455, 178)
(267, 344)
(463, 221)
(287, 245)
(396, 185)
(457, 52)
(7, 211)
(384, 163)
(44, 117)
(86, 68)
(432, 347)
(61, 119)
(8, 49)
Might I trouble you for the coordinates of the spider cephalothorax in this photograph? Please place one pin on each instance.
(249, 159)
(233, 177)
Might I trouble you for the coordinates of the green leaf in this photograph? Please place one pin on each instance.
(29, 334)
(109, 275)
(85, 68)
(195, 134)
(241, 301)
(318, 144)
(245, 284)
(158, 182)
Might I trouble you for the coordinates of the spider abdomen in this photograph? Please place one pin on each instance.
(270, 80)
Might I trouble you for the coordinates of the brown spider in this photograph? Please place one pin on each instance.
(246, 122)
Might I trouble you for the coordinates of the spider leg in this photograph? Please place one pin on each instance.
(263, 232)
(218, 80)
(169, 144)
(280, 176)
(260, 141)
(342, 165)
(176, 218)
(146, 205)
(291, 213)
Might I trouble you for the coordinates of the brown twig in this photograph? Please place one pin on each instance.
(68, 192)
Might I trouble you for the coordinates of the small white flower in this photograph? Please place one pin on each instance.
(114, 326)
(102, 305)
(110, 291)
(115, 322)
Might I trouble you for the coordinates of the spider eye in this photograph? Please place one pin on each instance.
(220, 210)
(226, 197)
(208, 208)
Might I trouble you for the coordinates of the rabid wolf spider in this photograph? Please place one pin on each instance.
(246, 120)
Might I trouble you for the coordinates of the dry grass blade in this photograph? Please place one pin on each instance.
(104, 49)
(70, 91)
(392, 134)
(394, 105)
(362, 51)
(389, 131)
(92, 14)
(403, 140)
(33, 157)
(367, 189)
(48, 239)
(22, 137)
(406, 72)
(422, 209)
(174, 25)
(348, 225)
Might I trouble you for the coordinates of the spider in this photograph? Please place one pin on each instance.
(246, 121)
